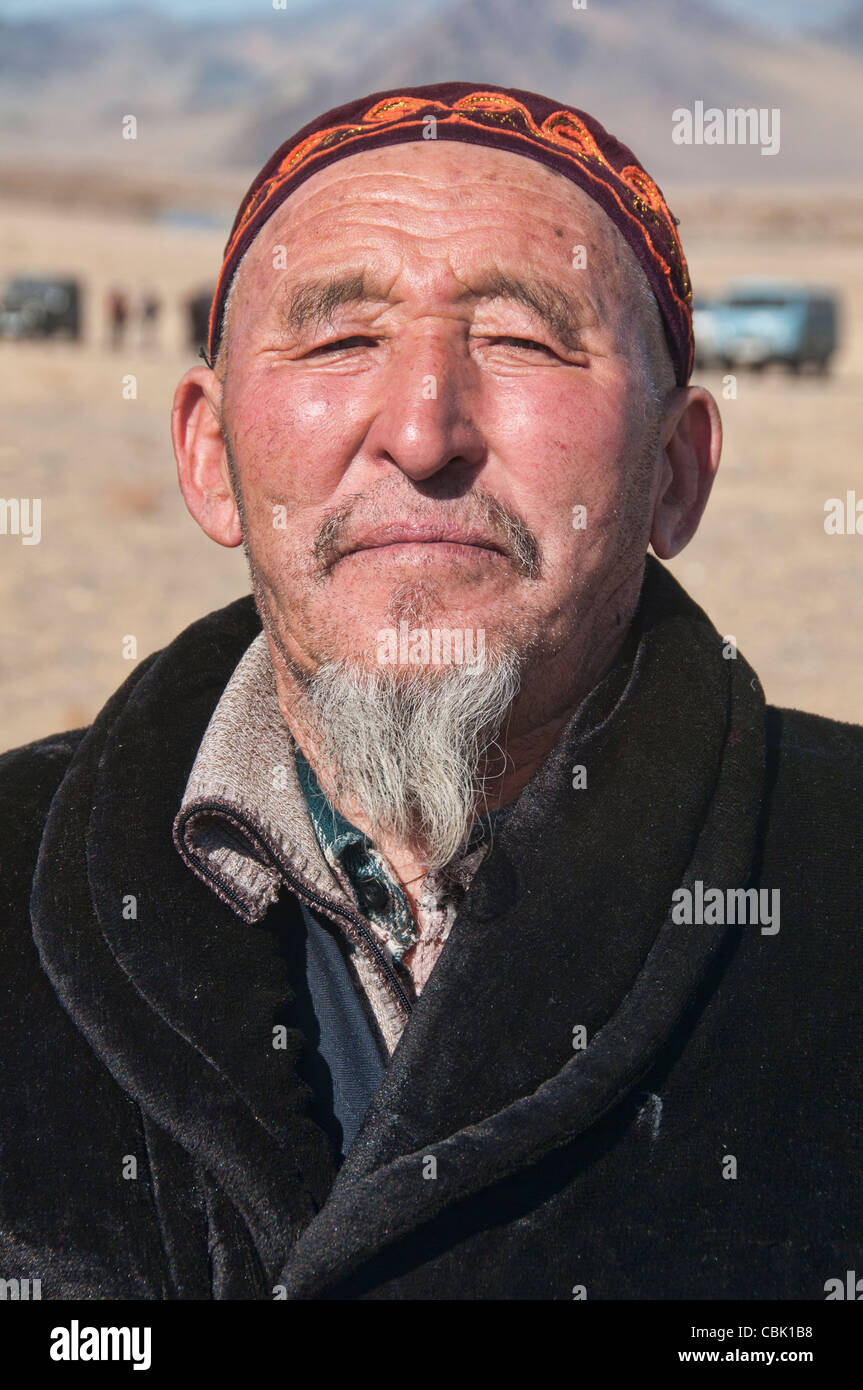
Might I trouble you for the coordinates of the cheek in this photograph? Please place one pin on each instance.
(292, 438)
(569, 450)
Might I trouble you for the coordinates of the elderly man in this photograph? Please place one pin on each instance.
(455, 920)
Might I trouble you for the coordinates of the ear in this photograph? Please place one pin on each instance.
(202, 464)
(691, 442)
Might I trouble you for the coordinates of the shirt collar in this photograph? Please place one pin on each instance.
(351, 852)
(333, 831)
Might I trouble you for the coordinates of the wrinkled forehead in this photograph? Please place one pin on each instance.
(450, 167)
(400, 186)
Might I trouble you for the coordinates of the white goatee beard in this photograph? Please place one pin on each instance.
(406, 748)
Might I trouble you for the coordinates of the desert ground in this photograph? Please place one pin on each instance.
(120, 557)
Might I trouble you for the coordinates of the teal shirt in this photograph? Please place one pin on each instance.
(379, 896)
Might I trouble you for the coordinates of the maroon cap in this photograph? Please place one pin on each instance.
(566, 140)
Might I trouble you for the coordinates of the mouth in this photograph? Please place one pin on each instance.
(439, 540)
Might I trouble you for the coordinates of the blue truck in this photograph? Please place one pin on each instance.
(755, 323)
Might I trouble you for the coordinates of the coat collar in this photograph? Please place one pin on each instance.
(565, 924)
(180, 1001)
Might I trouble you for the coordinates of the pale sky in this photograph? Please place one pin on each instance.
(784, 14)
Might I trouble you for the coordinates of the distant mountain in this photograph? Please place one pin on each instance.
(629, 64)
(66, 83)
(220, 95)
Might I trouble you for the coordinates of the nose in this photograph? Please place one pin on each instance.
(426, 419)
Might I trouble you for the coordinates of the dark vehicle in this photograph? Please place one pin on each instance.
(40, 308)
(198, 317)
(756, 323)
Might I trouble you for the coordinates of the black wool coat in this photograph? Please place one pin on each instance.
(590, 1098)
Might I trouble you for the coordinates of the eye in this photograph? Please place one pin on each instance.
(356, 340)
(525, 343)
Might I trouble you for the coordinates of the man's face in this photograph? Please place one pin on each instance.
(422, 447)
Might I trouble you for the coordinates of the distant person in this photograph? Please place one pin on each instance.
(151, 308)
(117, 313)
(453, 919)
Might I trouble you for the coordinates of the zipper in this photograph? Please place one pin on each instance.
(302, 890)
(330, 909)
